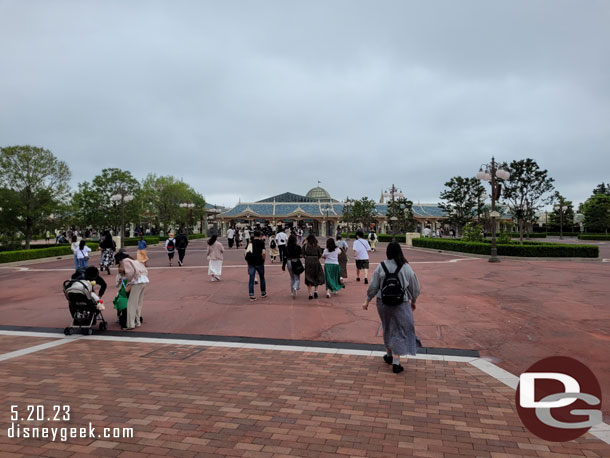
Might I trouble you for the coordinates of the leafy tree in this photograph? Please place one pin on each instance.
(39, 180)
(597, 213)
(602, 188)
(526, 190)
(402, 209)
(93, 203)
(568, 214)
(162, 196)
(463, 200)
(363, 211)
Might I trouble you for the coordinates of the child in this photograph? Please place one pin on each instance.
(170, 247)
(142, 255)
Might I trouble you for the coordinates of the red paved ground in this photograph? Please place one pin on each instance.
(514, 312)
(257, 403)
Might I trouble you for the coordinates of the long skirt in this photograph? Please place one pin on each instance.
(215, 268)
(314, 274)
(142, 256)
(107, 258)
(398, 328)
(343, 263)
(332, 274)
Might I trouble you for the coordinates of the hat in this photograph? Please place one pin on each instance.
(120, 256)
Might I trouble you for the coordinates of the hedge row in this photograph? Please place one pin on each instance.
(533, 235)
(191, 237)
(133, 241)
(23, 255)
(565, 234)
(594, 237)
(539, 250)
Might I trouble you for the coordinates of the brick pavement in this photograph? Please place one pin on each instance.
(197, 400)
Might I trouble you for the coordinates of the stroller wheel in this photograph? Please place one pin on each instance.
(103, 326)
(89, 331)
(68, 331)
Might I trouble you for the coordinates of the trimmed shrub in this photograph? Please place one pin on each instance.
(565, 234)
(532, 235)
(149, 239)
(23, 255)
(594, 237)
(528, 249)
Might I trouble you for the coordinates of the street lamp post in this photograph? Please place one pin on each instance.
(123, 196)
(189, 206)
(491, 173)
(560, 207)
(392, 193)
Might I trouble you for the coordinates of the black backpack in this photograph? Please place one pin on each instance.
(392, 292)
(170, 245)
(272, 244)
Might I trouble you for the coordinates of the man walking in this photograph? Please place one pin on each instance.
(182, 242)
(230, 235)
(281, 238)
(361, 249)
(255, 256)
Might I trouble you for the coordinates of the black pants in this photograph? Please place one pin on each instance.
(282, 249)
(230, 243)
(181, 253)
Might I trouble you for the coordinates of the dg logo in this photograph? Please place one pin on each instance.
(559, 399)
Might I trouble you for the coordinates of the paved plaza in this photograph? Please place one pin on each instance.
(196, 397)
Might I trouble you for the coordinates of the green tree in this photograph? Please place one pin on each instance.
(568, 214)
(526, 191)
(402, 209)
(463, 200)
(162, 196)
(94, 206)
(602, 188)
(597, 213)
(363, 211)
(473, 232)
(39, 180)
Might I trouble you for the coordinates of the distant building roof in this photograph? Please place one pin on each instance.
(318, 193)
(288, 197)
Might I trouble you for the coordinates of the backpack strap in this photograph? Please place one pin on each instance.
(385, 269)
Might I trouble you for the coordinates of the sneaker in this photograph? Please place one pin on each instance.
(328, 295)
(310, 297)
(397, 368)
(293, 293)
(264, 295)
(366, 281)
(252, 298)
(315, 294)
(388, 359)
(357, 278)
(138, 325)
(127, 329)
(179, 263)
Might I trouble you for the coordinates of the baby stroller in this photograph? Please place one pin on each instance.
(85, 307)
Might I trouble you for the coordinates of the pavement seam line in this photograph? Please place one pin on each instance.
(601, 431)
(37, 348)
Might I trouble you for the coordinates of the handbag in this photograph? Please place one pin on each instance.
(86, 258)
(297, 267)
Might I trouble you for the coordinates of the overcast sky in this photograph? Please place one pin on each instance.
(244, 99)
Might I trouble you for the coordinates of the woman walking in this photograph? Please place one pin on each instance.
(314, 275)
(343, 246)
(82, 255)
(295, 266)
(332, 271)
(274, 250)
(215, 256)
(396, 320)
(142, 256)
(74, 246)
(136, 277)
(108, 247)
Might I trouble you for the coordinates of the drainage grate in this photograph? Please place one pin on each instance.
(178, 352)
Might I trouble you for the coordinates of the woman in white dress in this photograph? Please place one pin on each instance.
(215, 257)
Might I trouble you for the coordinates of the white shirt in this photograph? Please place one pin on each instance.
(80, 254)
(230, 233)
(331, 257)
(362, 248)
(281, 238)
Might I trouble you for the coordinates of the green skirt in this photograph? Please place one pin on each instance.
(332, 272)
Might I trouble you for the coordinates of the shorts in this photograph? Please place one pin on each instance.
(362, 264)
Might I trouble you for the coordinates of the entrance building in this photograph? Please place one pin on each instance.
(318, 212)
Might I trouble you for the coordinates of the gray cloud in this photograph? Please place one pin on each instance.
(249, 99)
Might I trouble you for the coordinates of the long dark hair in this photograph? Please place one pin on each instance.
(312, 240)
(330, 245)
(82, 244)
(212, 240)
(394, 252)
(292, 240)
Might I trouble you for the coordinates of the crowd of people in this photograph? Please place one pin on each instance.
(298, 255)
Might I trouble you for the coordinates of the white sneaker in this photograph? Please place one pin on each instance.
(138, 324)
